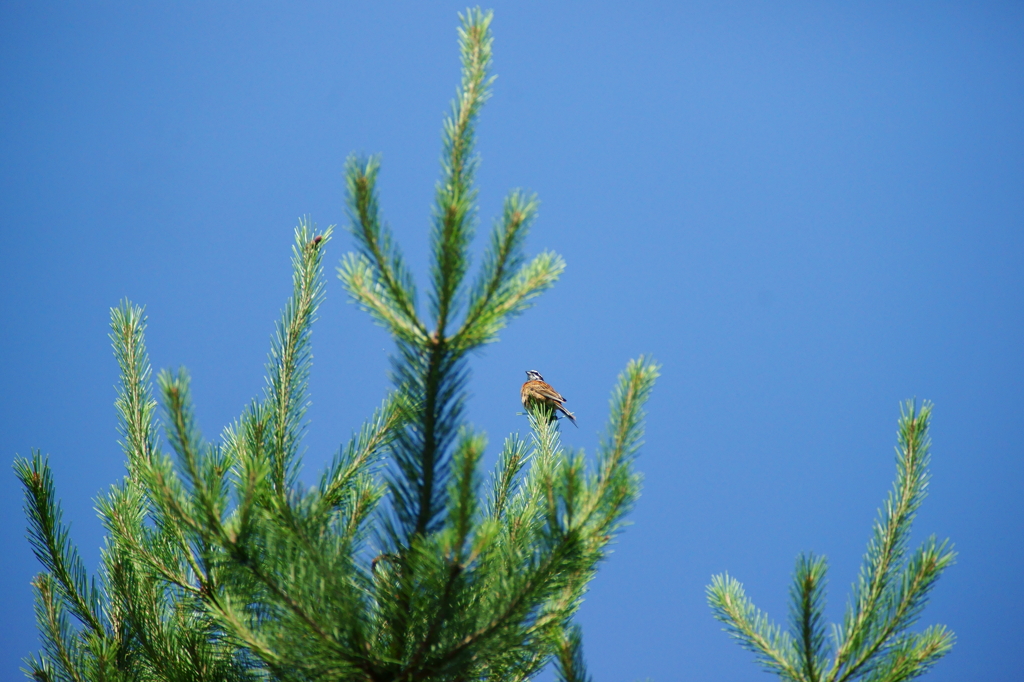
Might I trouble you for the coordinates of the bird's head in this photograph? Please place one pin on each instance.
(533, 375)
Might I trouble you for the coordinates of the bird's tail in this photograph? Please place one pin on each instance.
(568, 414)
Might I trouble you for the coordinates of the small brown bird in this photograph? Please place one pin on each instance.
(536, 390)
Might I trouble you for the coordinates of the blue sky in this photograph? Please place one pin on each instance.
(807, 212)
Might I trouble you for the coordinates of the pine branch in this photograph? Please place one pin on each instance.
(52, 545)
(504, 256)
(135, 404)
(39, 669)
(237, 624)
(569, 663)
(175, 514)
(626, 418)
(60, 643)
(442, 613)
(379, 280)
(617, 485)
(502, 261)
(866, 627)
(290, 355)
(454, 210)
(363, 284)
(248, 440)
(511, 461)
(123, 512)
(529, 282)
(912, 656)
(432, 371)
(152, 570)
(873, 642)
(362, 452)
(807, 616)
(463, 490)
(917, 578)
(527, 594)
(305, 580)
(182, 433)
(169, 638)
(751, 627)
(433, 380)
(180, 515)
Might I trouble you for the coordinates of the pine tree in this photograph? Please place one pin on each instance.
(874, 642)
(403, 563)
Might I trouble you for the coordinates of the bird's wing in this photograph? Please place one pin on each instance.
(548, 393)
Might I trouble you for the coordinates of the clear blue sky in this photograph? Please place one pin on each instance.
(808, 212)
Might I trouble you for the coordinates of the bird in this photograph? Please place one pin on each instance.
(536, 391)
